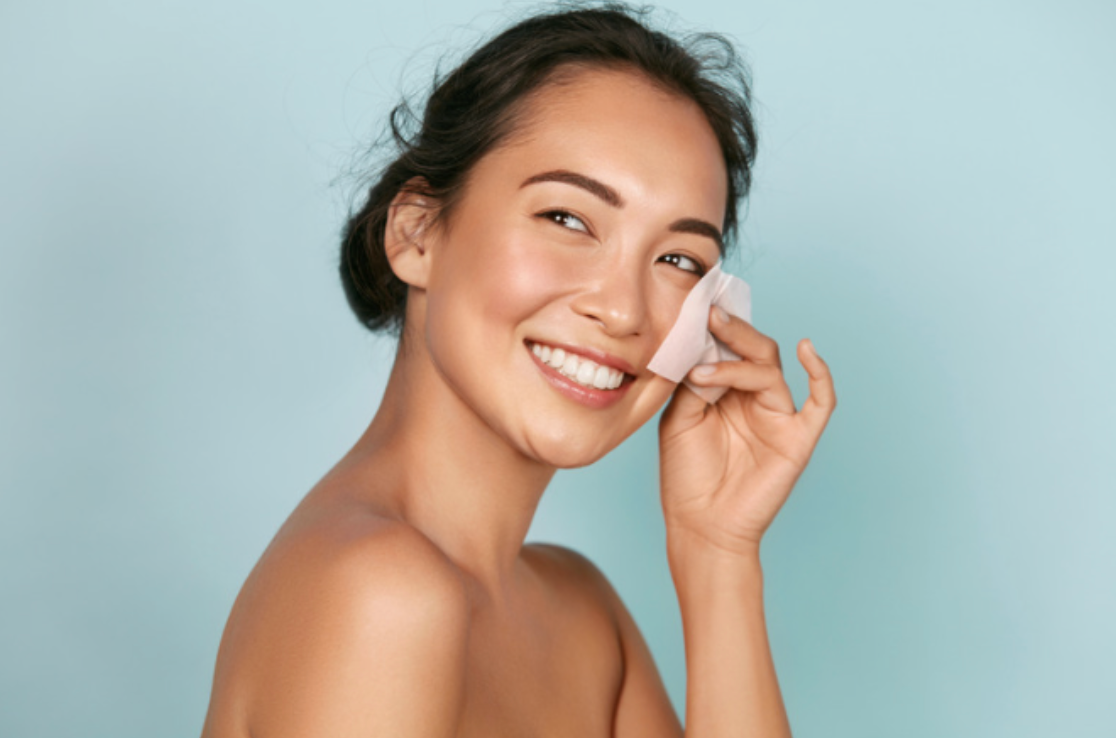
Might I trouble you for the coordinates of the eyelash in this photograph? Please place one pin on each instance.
(562, 217)
(674, 259)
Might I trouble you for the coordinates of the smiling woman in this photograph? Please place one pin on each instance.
(533, 243)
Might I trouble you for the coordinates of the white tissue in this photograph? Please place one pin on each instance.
(689, 342)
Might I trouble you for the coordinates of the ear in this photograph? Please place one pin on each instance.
(407, 234)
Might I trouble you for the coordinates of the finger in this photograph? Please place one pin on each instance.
(743, 338)
(823, 398)
(765, 380)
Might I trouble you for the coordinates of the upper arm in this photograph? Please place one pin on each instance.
(368, 642)
(643, 707)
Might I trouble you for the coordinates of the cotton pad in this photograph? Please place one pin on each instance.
(689, 342)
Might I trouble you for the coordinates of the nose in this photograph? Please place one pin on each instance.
(616, 300)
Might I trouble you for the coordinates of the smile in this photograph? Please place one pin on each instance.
(579, 369)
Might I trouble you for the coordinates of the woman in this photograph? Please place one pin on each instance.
(533, 243)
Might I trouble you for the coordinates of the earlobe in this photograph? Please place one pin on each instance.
(407, 233)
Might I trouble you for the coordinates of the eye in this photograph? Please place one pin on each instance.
(566, 220)
(684, 263)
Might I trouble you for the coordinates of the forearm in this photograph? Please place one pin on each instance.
(732, 689)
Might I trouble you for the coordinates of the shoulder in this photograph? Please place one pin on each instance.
(365, 566)
(375, 557)
(572, 578)
(566, 567)
(643, 707)
(352, 626)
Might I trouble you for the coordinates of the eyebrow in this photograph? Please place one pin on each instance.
(590, 185)
(700, 228)
(611, 197)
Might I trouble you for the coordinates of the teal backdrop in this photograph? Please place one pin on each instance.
(935, 206)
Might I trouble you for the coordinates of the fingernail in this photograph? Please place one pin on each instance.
(720, 314)
(810, 345)
(704, 370)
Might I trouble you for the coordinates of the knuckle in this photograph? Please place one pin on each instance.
(771, 348)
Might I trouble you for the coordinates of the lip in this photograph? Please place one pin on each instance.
(590, 397)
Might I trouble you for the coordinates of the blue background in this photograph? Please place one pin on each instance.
(935, 205)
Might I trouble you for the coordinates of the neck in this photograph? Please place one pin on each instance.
(433, 462)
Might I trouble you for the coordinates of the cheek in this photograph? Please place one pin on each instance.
(667, 308)
(526, 278)
(486, 281)
(657, 393)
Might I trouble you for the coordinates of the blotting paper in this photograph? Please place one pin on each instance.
(689, 341)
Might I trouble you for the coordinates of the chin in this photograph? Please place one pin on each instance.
(565, 445)
(568, 453)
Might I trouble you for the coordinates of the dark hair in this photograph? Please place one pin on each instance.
(475, 108)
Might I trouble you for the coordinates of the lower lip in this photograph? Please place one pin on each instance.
(588, 396)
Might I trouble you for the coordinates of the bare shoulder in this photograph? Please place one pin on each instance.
(643, 707)
(566, 567)
(357, 566)
(349, 624)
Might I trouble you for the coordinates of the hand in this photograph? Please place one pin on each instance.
(727, 468)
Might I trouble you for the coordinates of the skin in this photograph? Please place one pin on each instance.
(399, 598)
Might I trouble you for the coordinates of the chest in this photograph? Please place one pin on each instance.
(554, 673)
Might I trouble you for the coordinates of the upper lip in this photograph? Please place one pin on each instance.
(600, 357)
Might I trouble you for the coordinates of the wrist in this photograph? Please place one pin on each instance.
(685, 544)
(700, 564)
(710, 582)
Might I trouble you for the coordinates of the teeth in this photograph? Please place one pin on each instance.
(601, 378)
(586, 372)
(569, 366)
(578, 368)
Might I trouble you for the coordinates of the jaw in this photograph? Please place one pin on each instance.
(569, 436)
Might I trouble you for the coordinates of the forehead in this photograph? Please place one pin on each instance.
(652, 145)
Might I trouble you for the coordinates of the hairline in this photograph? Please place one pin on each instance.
(518, 118)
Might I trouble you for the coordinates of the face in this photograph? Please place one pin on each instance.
(566, 261)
